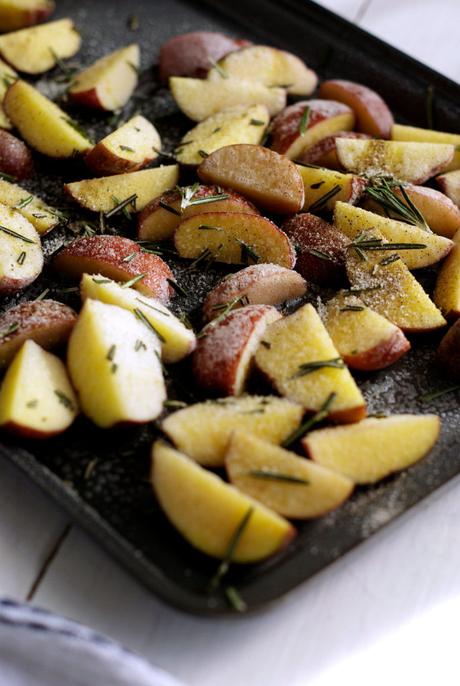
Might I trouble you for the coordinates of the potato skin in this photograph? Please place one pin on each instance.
(309, 232)
(103, 162)
(192, 54)
(448, 353)
(324, 152)
(15, 157)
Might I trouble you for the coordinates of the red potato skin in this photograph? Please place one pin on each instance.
(379, 119)
(193, 54)
(10, 285)
(15, 157)
(382, 355)
(102, 162)
(448, 353)
(32, 17)
(307, 231)
(86, 99)
(324, 152)
(23, 431)
(219, 350)
(285, 128)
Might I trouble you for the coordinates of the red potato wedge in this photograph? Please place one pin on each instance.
(450, 185)
(207, 511)
(108, 83)
(38, 213)
(387, 286)
(290, 485)
(114, 364)
(353, 221)
(193, 54)
(289, 346)
(409, 162)
(15, 157)
(447, 292)
(324, 152)
(259, 284)
(21, 254)
(36, 397)
(199, 99)
(38, 49)
(323, 188)
(269, 66)
(418, 135)
(374, 448)
(438, 211)
(41, 123)
(161, 217)
(18, 14)
(116, 258)
(47, 322)
(373, 116)
(321, 249)
(234, 125)
(448, 353)
(133, 146)
(364, 339)
(300, 126)
(233, 238)
(268, 417)
(106, 192)
(7, 76)
(270, 180)
(223, 357)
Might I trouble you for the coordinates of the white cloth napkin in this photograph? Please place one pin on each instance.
(38, 648)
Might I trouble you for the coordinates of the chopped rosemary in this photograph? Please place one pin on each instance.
(205, 255)
(428, 397)
(134, 67)
(134, 280)
(152, 307)
(225, 308)
(179, 290)
(318, 204)
(122, 206)
(75, 126)
(101, 280)
(42, 295)
(67, 72)
(383, 193)
(139, 344)
(315, 365)
(304, 120)
(376, 244)
(126, 148)
(142, 318)
(174, 404)
(70, 289)
(308, 164)
(187, 193)
(24, 202)
(266, 344)
(133, 22)
(310, 422)
(247, 253)
(7, 177)
(111, 353)
(317, 185)
(89, 468)
(256, 122)
(11, 328)
(319, 253)
(277, 476)
(15, 234)
(232, 545)
(235, 600)
(64, 399)
(130, 257)
(210, 198)
(32, 403)
(113, 368)
(389, 260)
(21, 258)
(222, 73)
(168, 208)
(352, 308)
(203, 153)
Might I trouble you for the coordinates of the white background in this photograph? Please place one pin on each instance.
(389, 611)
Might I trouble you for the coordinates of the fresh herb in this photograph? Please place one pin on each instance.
(218, 128)
(139, 344)
(266, 344)
(247, 253)
(235, 600)
(67, 72)
(222, 73)
(32, 403)
(134, 67)
(142, 318)
(277, 476)
(210, 198)
(113, 368)
(70, 289)
(389, 260)
(308, 164)
(11, 328)
(318, 204)
(126, 148)
(10, 232)
(204, 256)
(75, 126)
(310, 422)
(179, 290)
(383, 193)
(130, 257)
(89, 468)
(225, 308)
(101, 280)
(203, 153)
(168, 155)
(8, 79)
(111, 353)
(174, 404)
(208, 227)
(168, 208)
(102, 226)
(315, 186)
(152, 307)
(21, 258)
(256, 122)
(42, 295)
(7, 177)
(134, 280)
(115, 119)
(304, 121)
(187, 193)
(428, 397)
(377, 244)
(320, 254)
(232, 545)
(357, 289)
(133, 22)
(64, 399)
(122, 206)
(24, 202)
(352, 308)
(315, 365)
(429, 106)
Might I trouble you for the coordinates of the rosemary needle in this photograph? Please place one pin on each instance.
(233, 543)
(311, 421)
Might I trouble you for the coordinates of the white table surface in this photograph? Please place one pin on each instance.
(388, 611)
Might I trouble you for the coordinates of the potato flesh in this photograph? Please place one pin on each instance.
(270, 418)
(352, 221)
(231, 126)
(299, 339)
(419, 135)
(16, 14)
(447, 291)
(41, 123)
(21, 273)
(38, 213)
(374, 448)
(323, 491)
(99, 194)
(113, 77)
(36, 395)
(411, 162)
(131, 146)
(34, 50)
(234, 238)
(113, 363)
(319, 182)
(178, 340)
(207, 511)
(199, 99)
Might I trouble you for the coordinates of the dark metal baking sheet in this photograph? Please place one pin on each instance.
(113, 500)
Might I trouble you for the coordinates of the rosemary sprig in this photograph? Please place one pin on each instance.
(378, 245)
(256, 122)
(203, 153)
(42, 295)
(210, 198)
(235, 600)
(225, 310)
(247, 253)
(76, 126)
(64, 399)
(320, 254)
(121, 205)
(315, 365)
(15, 234)
(205, 255)
(11, 328)
(169, 208)
(134, 280)
(24, 202)
(126, 148)
(187, 193)
(142, 318)
(318, 204)
(130, 257)
(152, 307)
(428, 397)
(405, 210)
(232, 545)
(174, 404)
(310, 422)
(208, 227)
(220, 70)
(139, 345)
(67, 72)
(304, 120)
(177, 288)
(308, 164)
(7, 177)
(352, 308)
(389, 260)
(277, 476)
(317, 185)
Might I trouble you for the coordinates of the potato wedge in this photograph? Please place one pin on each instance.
(36, 397)
(129, 148)
(17, 14)
(262, 64)
(399, 132)
(199, 99)
(298, 357)
(410, 162)
(47, 322)
(233, 238)
(177, 341)
(207, 511)
(161, 217)
(38, 49)
(15, 157)
(270, 418)
(268, 179)
(108, 83)
(290, 485)
(259, 284)
(105, 193)
(38, 213)
(447, 291)
(231, 126)
(352, 221)
(450, 185)
(324, 152)
(21, 254)
(41, 123)
(323, 188)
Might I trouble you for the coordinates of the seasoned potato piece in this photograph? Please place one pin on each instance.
(41, 216)
(21, 254)
(323, 188)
